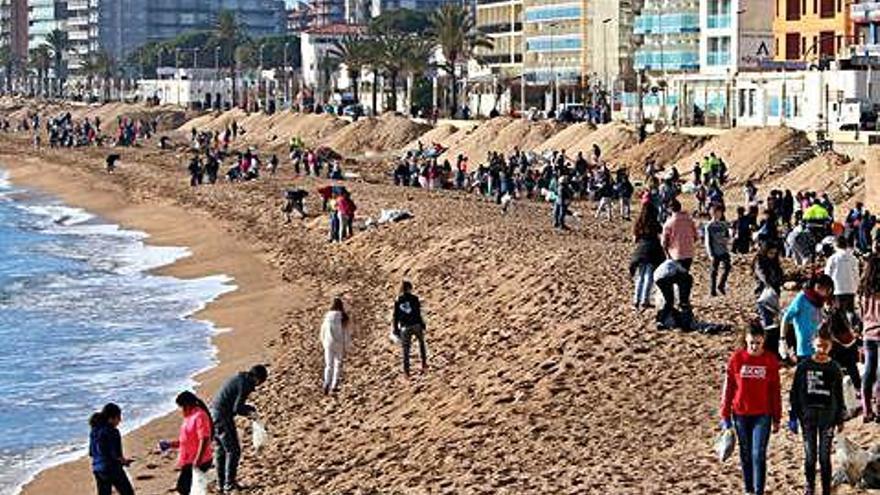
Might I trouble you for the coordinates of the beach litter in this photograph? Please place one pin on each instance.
(724, 444)
(259, 435)
(199, 482)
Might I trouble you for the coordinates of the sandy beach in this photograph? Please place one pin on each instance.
(252, 312)
(542, 377)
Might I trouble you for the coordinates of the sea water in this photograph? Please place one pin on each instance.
(83, 323)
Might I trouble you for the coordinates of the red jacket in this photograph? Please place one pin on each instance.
(751, 386)
(345, 206)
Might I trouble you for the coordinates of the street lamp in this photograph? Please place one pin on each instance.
(605, 23)
(217, 60)
(286, 81)
(196, 58)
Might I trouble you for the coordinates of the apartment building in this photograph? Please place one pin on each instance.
(811, 30)
(502, 22)
(44, 16)
(671, 36)
(866, 29)
(735, 35)
(613, 48)
(14, 27)
(557, 53)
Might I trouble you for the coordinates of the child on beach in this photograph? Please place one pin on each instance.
(716, 236)
(804, 315)
(817, 404)
(751, 402)
(105, 449)
(647, 256)
(742, 240)
(336, 340)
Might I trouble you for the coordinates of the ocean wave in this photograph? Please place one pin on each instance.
(84, 322)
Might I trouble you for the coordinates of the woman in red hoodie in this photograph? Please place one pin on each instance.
(751, 401)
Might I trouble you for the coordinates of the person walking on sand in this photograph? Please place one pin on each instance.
(716, 235)
(817, 403)
(648, 255)
(193, 443)
(803, 316)
(679, 236)
(560, 203)
(231, 401)
(843, 268)
(105, 449)
(869, 304)
(408, 323)
(751, 402)
(336, 340)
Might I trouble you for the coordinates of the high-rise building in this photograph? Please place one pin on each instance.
(613, 47)
(82, 31)
(735, 35)
(671, 36)
(556, 53)
(327, 12)
(14, 27)
(812, 29)
(44, 16)
(502, 22)
(121, 26)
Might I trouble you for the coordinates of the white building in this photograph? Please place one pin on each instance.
(186, 87)
(803, 99)
(735, 35)
(316, 46)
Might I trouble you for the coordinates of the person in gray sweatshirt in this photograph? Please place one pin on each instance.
(231, 401)
(716, 237)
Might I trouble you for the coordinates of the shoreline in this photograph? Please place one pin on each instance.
(251, 311)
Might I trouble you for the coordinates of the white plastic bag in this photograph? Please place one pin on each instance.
(724, 444)
(850, 399)
(849, 459)
(199, 482)
(260, 436)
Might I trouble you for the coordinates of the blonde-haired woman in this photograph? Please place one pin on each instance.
(336, 339)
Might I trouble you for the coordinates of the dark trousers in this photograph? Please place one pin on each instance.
(558, 216)
(667, 287)
(869, 380)
(406, 335)
(724, 262)
(845, 302)
(753, 433)
(227, 451)
(185, 479)
(106, 482)
(817, 443)
(848, 358)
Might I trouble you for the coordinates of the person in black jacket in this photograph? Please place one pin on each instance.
(105, 449)
(817, 404)
(647, 256)
(408, 323)
(231, 401)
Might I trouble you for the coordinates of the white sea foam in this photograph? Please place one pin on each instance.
(125, 253)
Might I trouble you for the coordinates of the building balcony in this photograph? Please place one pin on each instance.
(503, 27)
(718, 21)
(489, 2)
(667, 23)
(717, 58)
(655, 60)
(862, 13)
(501, 59)
(865, 50)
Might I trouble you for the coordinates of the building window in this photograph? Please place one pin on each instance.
(826, 44)
(803, 8)
(792, 46)
(792, 10)
(815, 7)
(827, 11)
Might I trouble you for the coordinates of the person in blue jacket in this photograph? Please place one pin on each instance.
(803, 316)
(105, 449)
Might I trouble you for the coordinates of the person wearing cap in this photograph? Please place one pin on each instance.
(229, 402)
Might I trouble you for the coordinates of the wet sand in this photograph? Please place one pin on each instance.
(252, 312)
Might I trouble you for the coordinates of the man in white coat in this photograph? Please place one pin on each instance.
(843, 268)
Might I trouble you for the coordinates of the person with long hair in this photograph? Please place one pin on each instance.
(816, 400)
(105, 449)
(751, 402)
(336, 339)
(869, 302)
(769, 276)
(194, 441)
(647, 256)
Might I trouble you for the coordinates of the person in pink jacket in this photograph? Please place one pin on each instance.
(679, 236)
(869, 302)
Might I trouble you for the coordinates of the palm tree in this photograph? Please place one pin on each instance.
(7, 60)
(58, 44)
(40, 60)
(453, 30)
(228, 34)
(417, 63)
(354, 53)
(96, 65)
(395, 49)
